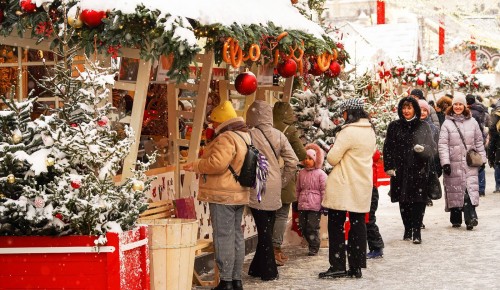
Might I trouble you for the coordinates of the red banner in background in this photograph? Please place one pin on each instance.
(441, 37)
(380, 12)
(473, 57)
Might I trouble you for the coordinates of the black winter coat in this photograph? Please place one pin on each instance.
(413, 170)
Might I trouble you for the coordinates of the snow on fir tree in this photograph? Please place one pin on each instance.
(57, 178)
(317, 108)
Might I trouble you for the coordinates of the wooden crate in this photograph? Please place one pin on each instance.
(73, 262)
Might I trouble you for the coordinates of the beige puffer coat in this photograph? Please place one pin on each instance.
(217, 184)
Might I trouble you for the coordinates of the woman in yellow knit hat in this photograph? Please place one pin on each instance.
(226, 197)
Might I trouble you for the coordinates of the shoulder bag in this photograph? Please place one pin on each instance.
(473, 158)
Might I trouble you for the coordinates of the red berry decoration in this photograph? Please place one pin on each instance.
(287, 68)
(335, 69)
(92, 18)
(246, 83)
(27, 6)
(75, 184)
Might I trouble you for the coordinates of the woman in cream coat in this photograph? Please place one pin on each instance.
(349, 189)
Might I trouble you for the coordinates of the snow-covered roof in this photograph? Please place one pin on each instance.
(387, 42)
(226, 12)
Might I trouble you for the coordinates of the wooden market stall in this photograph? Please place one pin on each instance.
(173, 59)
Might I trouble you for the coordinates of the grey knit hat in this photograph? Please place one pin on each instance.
(352, 104)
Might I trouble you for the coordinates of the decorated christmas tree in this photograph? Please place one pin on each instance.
(57, 170)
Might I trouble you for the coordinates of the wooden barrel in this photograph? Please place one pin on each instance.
(172, 252)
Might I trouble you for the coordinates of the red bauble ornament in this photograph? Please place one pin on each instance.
(27, 6)
(1, 15)
(287, 68)
(315, 71)
(59, 216)
(92, 18)
(246, 83)
(103, 121)
(420, 82)
(74, 125)
(335, 69)
(75, 184)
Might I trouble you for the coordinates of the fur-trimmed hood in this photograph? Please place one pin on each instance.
(320, 155)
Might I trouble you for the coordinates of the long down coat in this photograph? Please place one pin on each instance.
(411, 182)
(260, 119)
(349, 185)
(452, 151)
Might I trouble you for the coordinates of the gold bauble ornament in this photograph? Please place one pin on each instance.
(138, 185)
(2, 196)
(50, 161)
(434, 84)
(16, 138)
(11, 178)
(75, 23)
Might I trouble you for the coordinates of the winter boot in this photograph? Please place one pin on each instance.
(354, 272)
(375, 254)
(224, 285)
(277, 257)
(237, 285)
(284, 257)
(332, 273)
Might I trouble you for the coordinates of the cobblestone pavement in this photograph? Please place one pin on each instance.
(448, 258)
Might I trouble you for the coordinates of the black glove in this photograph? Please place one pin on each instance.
(491, 163)
(447, 169)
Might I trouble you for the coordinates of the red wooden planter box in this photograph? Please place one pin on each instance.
(73, 262)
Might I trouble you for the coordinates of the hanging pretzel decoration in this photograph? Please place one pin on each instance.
(324, 61)
(234, 55)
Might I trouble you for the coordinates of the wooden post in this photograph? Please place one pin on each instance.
(141, 91)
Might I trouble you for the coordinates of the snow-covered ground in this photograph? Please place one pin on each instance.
(448, 258)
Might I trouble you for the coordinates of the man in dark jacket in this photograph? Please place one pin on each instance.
(479, 114)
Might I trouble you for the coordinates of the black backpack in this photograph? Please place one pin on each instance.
(253, 161)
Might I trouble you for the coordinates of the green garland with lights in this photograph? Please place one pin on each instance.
(154, 34)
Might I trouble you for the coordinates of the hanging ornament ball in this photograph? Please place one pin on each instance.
(138, 185)
(39, 202)
(50, 161)
(92, 18)
(103, 121)
(75, 184)
(287, 68)
(16, 138)
(1, 15)
(315, 71)
(74, 125)
(335, 69)
(11, 178)
(246, 83)
(75, 22)
(27, 5)
(420, 82)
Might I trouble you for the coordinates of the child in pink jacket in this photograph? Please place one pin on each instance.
(310, 188)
